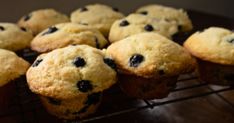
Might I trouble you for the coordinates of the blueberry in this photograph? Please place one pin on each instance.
(93, 98)
(2, 28)
(83, 23)
(97, 43)
(144, 12)
(110, 62)
(84, 85)
(149, 28)
(135, 60)
(23, 29)
(50, 30)
(83, 9)
(161, 72)
(37, 62)
(179, 27)
(168, 20)
(115, 9)
(27, 17)
(83, 110)
(54, 101)
(73, 44)
(231, 41)
(79, 62)
(124, 23)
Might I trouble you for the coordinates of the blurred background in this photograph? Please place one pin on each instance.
(12, 10)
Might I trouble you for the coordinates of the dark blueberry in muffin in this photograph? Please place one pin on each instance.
(135, 60)
(27, 17)
(231, 40)
(97, 43)
(124, 23)
(37, 62)
(84, 85)
(83, 23)
(93, 98)
(168, 20)
(149, 28)
(179, 27)
(50, 30)
(83, 110)
(83, 9)
(161, 72)
(54, 101)
(79, 62)
(2, 28)
(23, 29)
(115, 9)
(110, 62)
(144, 12)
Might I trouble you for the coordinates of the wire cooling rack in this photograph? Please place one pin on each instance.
(25, 107)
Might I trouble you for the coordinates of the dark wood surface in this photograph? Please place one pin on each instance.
(180, 106)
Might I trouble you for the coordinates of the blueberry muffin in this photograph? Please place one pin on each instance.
(65, 34)
(97, 15)
(41, 19)
(13, 37)
(75, 108)
(11, 68)
(138, 23)
(171, 14)
(71, 73)
(214, 50)
(149, 64)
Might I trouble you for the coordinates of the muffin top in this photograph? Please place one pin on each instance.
(14, 38)
(71, 71)
(171, 14)
(64, 34)
(41, 19)
(138, 23)
(97, 15)
(11, 66)
(214, 44)
(150, 55)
